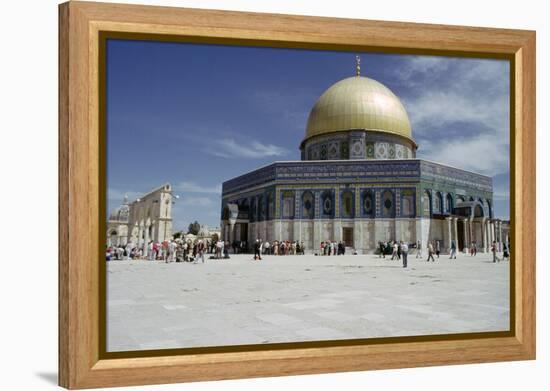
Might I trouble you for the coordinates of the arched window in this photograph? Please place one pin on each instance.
(438, 203)
(308, 205)
(244, 210)
(261, 208)
(368, 203)
(407, 203)
(327, 204)
(426, 204)
(478, 211)
(460, 199)
(288, 204)
(449, 203)
(253, 211)
(270, 206)
(348, 204)
(388, 204)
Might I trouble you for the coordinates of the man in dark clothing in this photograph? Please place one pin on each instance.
(382, 250)
(257, 247)
(399, 250)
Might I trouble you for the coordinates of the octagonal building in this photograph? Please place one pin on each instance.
(359, 181)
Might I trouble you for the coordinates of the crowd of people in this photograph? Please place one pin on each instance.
(283, 247)
(333, 248)
(399, 250)
(175, 250)
(179, 250)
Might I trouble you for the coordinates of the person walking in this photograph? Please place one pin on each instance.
(257, 253)
(494, 251)
(151, 249)
(505, 253)
(382, 250)
(430, 253)
(418, 249)
(394, 252)
(404, 253)
(219, 246)
(200, 251)
(226, 250)
(437, 249)
(453, 250)
(399, 250)
(173, 248)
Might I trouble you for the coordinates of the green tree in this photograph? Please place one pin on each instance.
(178, 235)
(194, 228)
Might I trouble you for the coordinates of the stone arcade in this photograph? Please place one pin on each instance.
(359, 181)
(147, 218)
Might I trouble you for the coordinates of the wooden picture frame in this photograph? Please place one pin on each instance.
(82, 363)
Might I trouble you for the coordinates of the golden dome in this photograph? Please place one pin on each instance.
(358, 103)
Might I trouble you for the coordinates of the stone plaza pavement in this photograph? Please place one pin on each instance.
(154, 305)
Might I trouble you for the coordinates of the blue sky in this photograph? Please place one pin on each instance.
(197, 115)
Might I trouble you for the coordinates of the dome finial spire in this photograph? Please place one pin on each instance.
(357, 65)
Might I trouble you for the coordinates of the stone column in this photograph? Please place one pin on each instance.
(140, 237)
(146, 242)
(490, 233)
(472, 231)
(447, 233)
(358, 237)
(484, 233)
(500, 247)
(455, 232)
(466, 235)
(231, 232)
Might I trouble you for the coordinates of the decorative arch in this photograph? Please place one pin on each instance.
(347, 208)
(327, 204)
(308, 205)
(478, 211)
(408, 201)
(438, 203)
(270, 206)
(367, 203)
(449, 203)
(253, 209)
(287, 202)
(427, 204)
(388, 204)
(261, 207)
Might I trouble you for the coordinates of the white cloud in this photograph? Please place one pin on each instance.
(192, 187)
(448, 91)
(483, 154)
(230, 148)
